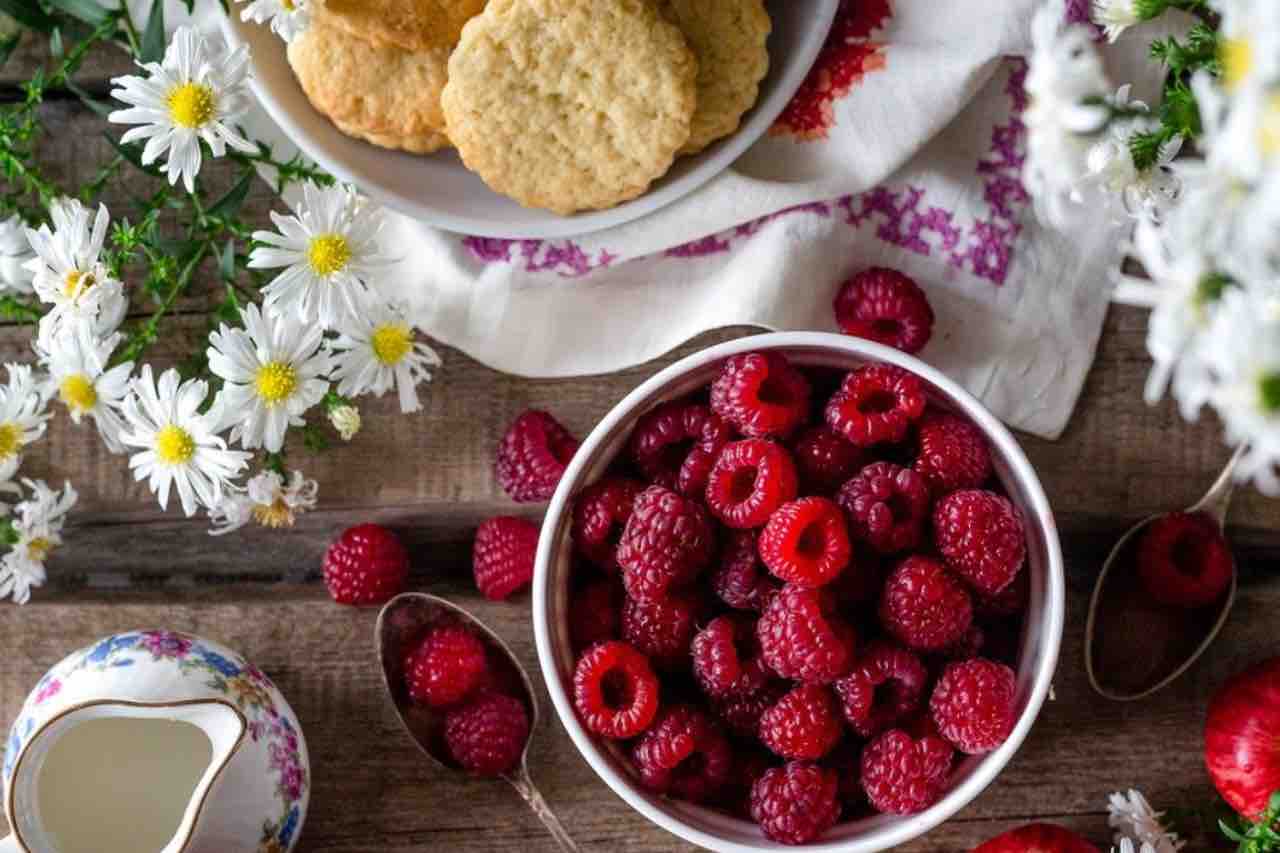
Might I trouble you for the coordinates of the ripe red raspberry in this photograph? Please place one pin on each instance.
(600, 515)
(748, 766)
(532, 456)
(973, 704)
(886, 684)
(365, 565)
(953, 453)
(903, 775)
(825, 460)
(594, 614)
(615, 691)
(684, 753)
(751, 479)
(742, 713)
(445, 666)
(887, 506)
(806, 542)
(726, 657)
(1184, 560)
(661, 628)
(761, 394)
(876, 404)
(887, 307)
(487, 735)
(801, 639)
(667, 541)
(1010, 601)
(797, 803)
(676, 444)
(740, 580)
(805, 723)
(503, 556)
(980, 535)
(924, 606)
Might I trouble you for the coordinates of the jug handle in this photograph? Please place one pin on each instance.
(10, 844)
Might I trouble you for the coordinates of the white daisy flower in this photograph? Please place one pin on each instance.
(1115, 16)
(38, 526)
(1127, 845)
(23, 415)
(1144, 193)
(346, 420)
(180, 446)
(1131, 816)
(79, 376)
(266, 499)
(288, 18)
(330, 249)
(1250, 32)
(376, 351)
(195, 94)
(274, 368)
(15, 254)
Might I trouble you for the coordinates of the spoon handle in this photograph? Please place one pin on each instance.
(1218, 499)
(525, 788)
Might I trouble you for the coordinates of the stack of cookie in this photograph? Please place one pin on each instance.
(565, 105)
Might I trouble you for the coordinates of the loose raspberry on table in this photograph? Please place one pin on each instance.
(973, 704)
(668, 540)
(887, 506)
(742, 713)
(887, 684)
(981, 536)
(749, 480)
(887, 307)
(685, 753)
(903, 775)
(825, 460)
(445, 666)
(740, 579)
(761, 394)
(532, 456)
(595, 613)
(365, 565)
(503, 556)
(797, 803)
(953, 453)
(726, 657)
(806, 542)
(676, 444)
(1184, 560)
(487, 735)
(924, 606)
(876, 404)
(805, 723)
(615, 691)
(662, 628)
(801, 638)
(600, 515)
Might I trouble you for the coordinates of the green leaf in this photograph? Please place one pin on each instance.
(152, 47)
(7, 46)
(229, 204)
(83, 10)
(28, 13)
(227, 265)
(55, 44)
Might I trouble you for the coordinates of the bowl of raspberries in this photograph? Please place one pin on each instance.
(798, 588)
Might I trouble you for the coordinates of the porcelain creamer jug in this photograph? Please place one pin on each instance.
(155, 742)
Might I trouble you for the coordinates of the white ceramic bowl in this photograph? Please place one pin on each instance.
(1042, 634)
(439, 190)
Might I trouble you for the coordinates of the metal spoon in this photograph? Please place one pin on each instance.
(404, 619)
(1145, 624)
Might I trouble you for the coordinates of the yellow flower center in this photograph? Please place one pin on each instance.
(38, 549)
(391, 343)
(1237, 61)
(78, 393)
(192, 105)
(288, 5)
(174, 445)
(275, 514)
(328, 253)
(77, 283)
(1271, 126)
(10, 439)
(276, 381)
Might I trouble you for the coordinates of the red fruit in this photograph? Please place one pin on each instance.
(973, 704)
(968, 646)
(365, 565)
(615, 691)
(886, 685)
(1037, 838)
(953, 453)
(1010, 601)
(924, 606)
(445, 666)
(806, 542)
(801, 639)
(503, 556)
(600, 515)
(761, 394)
(886, 506)
(684, 753)
(1184, 560)
(594, 614)
(797, 803)
(876, 404)
(661, 628)
(740, 580)
(825, 460)
(750, 479)
(676, 444)
(742, 713)
(903, 775)
(488, 734)
(981, 536)
(1242, 738)
(748, 767)
(887, 307)
(804, 723)
(726, 657)
(532, 456)
(667, 541)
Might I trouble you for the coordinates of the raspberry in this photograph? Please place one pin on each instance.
(876, 404)
(740, 580)
(685, 753)
(600, 514)
(1010, 601)
(887, 307)
(487, 735)
(903, 775)
(972, 704)
(445, 666)
(1184, 560)
(886, 684)
(796, 803)
(887, 506)
(748, 767)
(801, 640)
(676, 444)
(365, 565)
(1037, 836)
(742, 713)
(532, 457)
(924, 606)
(805, 723)
(615, 691)
(661, 628)
(968, 646)
(806, 542)
(594, 614)
(666, 542)
(750, 479)
(825, 460)
(503, 556)
(981, 537)
(953, 453)
(726, 657)
(761, 394)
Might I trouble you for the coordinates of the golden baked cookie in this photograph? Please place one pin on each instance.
(410, 24)
(426, 143)
(570, 105)
(729, 37)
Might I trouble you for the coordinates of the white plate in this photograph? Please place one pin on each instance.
(439, 190)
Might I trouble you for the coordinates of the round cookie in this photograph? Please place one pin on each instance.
(410, 24)
(427, 143)
(729, 37)
(570, 105)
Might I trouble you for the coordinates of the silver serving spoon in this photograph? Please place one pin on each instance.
(1151, 646)
(404, 619)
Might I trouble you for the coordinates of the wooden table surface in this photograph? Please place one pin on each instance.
(429, 476)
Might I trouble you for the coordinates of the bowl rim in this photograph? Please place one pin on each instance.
(1052, 619)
